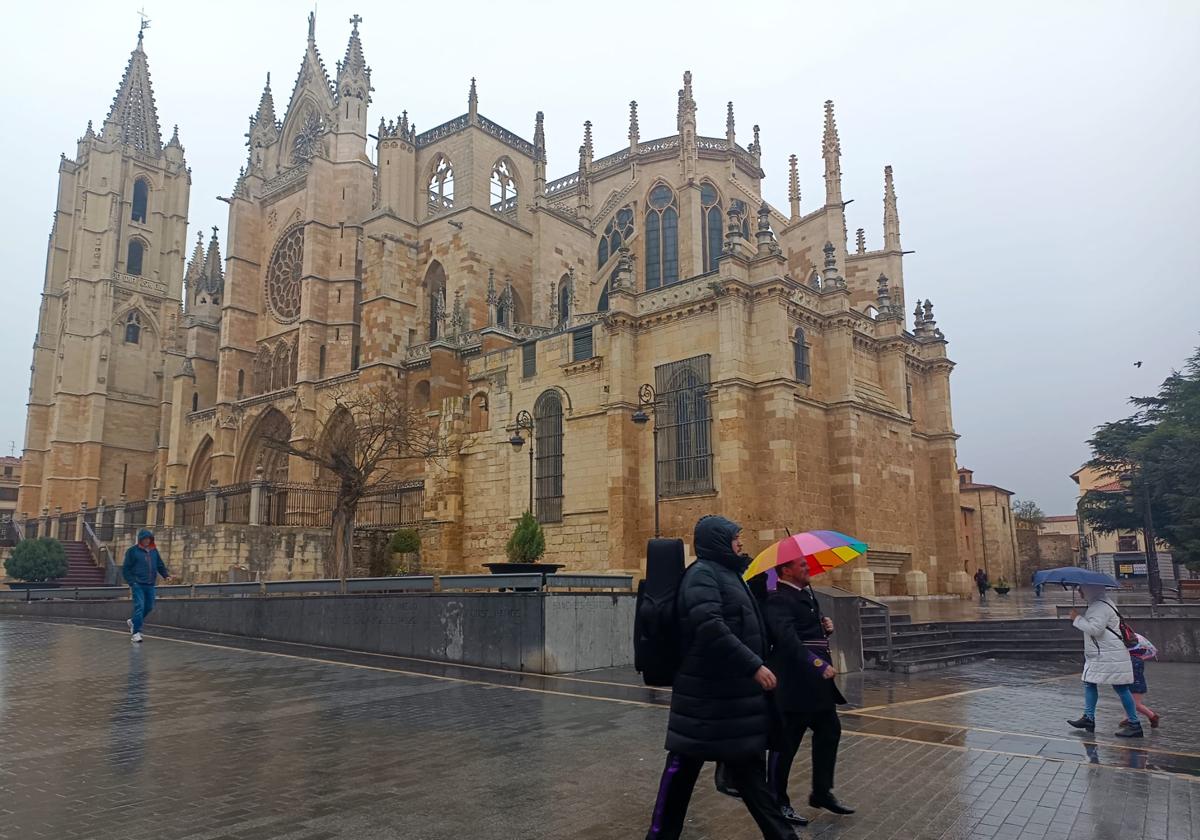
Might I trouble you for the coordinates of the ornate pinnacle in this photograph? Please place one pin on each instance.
(830, 143)
(539, 137)
(473, 100)
(729, 132)
(891, 216)
(830, 259)
(929, 313)
(885, 298)
(860, 237)
(687, 105)
(491, 289)
(756, 146)
(793, 187)
(587, 139)
(634, 130)
(831, 151)
(918, 316)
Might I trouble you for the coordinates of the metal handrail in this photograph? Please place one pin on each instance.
(100, 554)
(887, 627)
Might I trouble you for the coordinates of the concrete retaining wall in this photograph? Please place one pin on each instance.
(545, 633)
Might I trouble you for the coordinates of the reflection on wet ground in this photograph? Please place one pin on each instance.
(241, 738)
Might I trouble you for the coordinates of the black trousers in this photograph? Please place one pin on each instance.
(748, 775)
(827, 732)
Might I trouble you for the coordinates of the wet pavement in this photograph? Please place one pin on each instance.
(205, 737)
(1018, 603)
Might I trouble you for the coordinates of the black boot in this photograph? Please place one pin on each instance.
(1084, 722)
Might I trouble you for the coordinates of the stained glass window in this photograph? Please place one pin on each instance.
(283, 276)
(662, 238)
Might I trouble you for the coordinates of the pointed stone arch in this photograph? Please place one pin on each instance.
(200, 466)
(439, 182)
(505, 187)
(304, 132)
(272, 424)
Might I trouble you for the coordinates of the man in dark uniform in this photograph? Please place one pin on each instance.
(807, 696)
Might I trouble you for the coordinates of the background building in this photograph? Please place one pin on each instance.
(1122, 554)
(988, 531)
(787, 388)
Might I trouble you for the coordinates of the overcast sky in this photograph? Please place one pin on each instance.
(1045, 155)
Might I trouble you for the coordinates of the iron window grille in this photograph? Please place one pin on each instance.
(683, 420)
(548, 457)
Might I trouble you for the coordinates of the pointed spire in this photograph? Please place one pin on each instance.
(264, 127)
(891, 217)
(686, 121)
(195, 267)
(793, 187)
(831, 151)
(473, 101)
(90, 132)
(212, 277)
(133, 119)
(174, 141)
(635, 134)
(539, 137)
(686, 112)
(587, 140)
(730, 135)
(353, 74)
(860, 238)
(491, 299)
(312, 70)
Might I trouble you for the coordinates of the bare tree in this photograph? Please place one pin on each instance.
(366, 433)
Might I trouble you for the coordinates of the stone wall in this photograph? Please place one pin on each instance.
(211, 553)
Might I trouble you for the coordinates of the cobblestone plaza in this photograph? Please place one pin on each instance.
(216, 738)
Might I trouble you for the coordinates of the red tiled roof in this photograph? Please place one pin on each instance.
(1111, 487)
(984, 487)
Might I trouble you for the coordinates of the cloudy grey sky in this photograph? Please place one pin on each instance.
(1045, 154)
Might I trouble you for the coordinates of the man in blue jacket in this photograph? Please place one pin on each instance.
(141, 569)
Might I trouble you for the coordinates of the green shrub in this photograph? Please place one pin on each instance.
(527, 543)
(406, 541)
(37, 560)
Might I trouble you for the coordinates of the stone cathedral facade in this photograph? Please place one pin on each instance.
(769, 357)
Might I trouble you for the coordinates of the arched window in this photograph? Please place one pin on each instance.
(480, 420)
(618, 231)
(141, 195)
(441, 185)
(195, 402)
(504, 188)
(133, 258)
(548, 457)
(662, 238)
(711, 226)
(800, 355)
(435, 291)
(133, 328)
(566, 295)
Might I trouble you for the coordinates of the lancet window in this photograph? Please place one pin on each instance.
(504, 188)
(134, 257)
(800, 356)
(712, 225)
(548, 457)
(618, 231)
(141, 197)
(441, 185)
(133, 328)
(662, 238)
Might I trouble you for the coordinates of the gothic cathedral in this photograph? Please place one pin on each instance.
(677, 345)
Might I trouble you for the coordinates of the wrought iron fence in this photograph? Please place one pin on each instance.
(391, 505)
(189, 509)
(135, 513)
(104, 528)
(233, 505)
(312, 506)
(66, 527)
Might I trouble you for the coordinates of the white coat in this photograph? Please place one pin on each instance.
(1106, 659)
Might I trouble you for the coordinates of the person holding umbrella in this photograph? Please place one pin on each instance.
(1106, 659)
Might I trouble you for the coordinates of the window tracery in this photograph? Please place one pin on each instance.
(662, 237)
(618, 231)
(133, 328)
(504, 188)
(441, 185)
(711, 228)
(283, 276)
(307, 140)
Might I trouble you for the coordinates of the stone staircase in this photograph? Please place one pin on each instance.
(81, 571)
(931, 645)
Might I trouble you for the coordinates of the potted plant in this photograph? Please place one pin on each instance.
(524, 549)
(1002, 587)
(37, 563)
(405, 546)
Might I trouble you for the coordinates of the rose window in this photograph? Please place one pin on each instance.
(283, 276)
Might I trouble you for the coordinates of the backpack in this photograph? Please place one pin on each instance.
(1124, 631)
(657, 635)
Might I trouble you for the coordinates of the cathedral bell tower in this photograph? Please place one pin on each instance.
(106, 342)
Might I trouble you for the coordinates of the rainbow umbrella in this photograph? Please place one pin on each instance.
(821, 550)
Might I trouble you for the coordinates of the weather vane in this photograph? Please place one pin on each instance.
(145, 24)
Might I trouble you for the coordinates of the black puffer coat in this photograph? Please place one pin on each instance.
(718, 711)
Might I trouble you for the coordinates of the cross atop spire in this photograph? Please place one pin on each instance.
(353, 74)
(133, 119)
(355, 20)
(473, 101)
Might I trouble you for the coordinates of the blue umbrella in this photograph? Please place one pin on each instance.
(1075, 576)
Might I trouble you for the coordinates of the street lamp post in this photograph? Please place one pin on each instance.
(524, 422)
(647, 399)
(1127, 483)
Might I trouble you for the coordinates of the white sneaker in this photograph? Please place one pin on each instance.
(136, 637)
(129, 624)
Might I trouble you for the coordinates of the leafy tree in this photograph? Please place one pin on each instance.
(1158, 449)
(37, 560)
(527, 543)
(367, 432)
(1028, 514)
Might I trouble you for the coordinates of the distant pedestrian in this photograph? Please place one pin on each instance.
(982, 584)
(807, 697)
(1106, 661)
(1138, 656)
(719, 709)
(141, 570)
